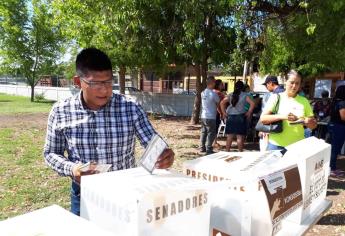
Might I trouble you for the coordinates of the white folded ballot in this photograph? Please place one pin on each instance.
(154, 149)
(52, 221)
(261, 191)
(135, 203)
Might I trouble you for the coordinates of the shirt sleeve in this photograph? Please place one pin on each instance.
(143, 128)
(308, 110)
(55, 147)
(271, 103)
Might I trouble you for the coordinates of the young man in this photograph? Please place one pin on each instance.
(209, 104)
(96, 125)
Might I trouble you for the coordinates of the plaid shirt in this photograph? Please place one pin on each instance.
(104, 136)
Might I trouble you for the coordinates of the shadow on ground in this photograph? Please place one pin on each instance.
(332, 219)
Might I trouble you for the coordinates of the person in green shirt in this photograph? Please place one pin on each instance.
(293, 109)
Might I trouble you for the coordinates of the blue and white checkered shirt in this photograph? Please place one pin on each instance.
(104, 136)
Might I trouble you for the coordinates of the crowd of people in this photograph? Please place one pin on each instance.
(289, 106)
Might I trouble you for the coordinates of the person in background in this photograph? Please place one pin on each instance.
(209, 104)
(273, 87)
(246, 108)
(322, 107)
(218, 89)
(235, 115)
(337, 126)
(322, 110)
(96, 125)
(295, 112)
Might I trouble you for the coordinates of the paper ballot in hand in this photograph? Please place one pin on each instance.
(94, 168)
(153, 150)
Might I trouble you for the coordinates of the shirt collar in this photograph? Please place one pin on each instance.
(83, 106)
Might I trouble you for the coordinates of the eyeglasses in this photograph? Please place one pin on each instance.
(99, 84)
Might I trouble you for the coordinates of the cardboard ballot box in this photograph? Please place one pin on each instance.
(280, 191)
(52, 221)
(133, 202)
(312, 156)
(260, 188)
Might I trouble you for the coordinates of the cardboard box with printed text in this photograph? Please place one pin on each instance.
(135, 203)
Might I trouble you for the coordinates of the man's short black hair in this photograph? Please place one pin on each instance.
(210, 79)
(92, 59)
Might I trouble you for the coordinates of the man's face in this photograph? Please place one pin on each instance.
(212, 84)
(97, 88)
(269, 86)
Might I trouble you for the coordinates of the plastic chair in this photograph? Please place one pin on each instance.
(221, 129)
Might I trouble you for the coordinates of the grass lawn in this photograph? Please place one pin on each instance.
(10, 104)
(26, 183)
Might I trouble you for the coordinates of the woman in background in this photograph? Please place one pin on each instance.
(293, 109)
(337, 126)
(235, 115)
(218, 89)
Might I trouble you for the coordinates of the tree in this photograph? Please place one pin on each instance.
(107, 25)
(305, 35)
(31, 44)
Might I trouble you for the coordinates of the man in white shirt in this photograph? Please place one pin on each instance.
(209, 103)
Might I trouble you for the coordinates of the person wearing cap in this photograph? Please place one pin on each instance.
(294, 111)
(272, 85)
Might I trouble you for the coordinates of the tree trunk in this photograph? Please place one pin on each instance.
(245, 71)
(122, 80)
(197, 101)
(204, 69)
(32, 93)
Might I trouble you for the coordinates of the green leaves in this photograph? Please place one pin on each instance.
(310, 29)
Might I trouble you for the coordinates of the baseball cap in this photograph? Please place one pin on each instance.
(271, 78)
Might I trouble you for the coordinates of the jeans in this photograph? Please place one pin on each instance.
(337, 142)
(271, 146)
(75, 198)
(208, 134)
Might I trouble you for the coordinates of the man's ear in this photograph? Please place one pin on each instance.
(76, 81)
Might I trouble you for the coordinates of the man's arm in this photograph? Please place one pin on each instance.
(55, 146)
(144, 131)
(143, 128)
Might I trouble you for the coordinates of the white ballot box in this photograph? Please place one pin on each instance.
(312, 156)
(261, 188)
(52, 221)
(282, 192)
(135, 203)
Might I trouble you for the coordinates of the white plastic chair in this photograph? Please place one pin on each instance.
(221, 129)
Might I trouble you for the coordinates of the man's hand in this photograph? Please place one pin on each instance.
(165, 160)
(77, 173)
